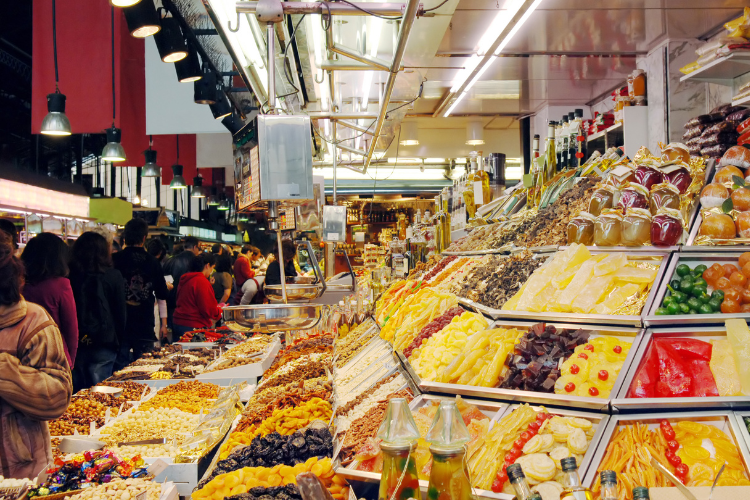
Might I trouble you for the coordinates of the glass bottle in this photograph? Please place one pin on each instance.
(633, 196)
(535, 147)
(608, 228)
(640, 493)
(664, 195)
(449, 479)
(558, 142)
(486, 180)
(609, 485)
(468, 194)
(550, 159)
(399, 434)
(580, 145)
(636, 227)
(581, 229)
(518, 480)
(564, 136)
(572, 487)
(572, 142)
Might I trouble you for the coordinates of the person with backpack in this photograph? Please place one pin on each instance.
(99, 292)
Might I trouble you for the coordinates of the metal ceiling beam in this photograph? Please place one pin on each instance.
(334, 65)
(448, 100)
(351, 150)
(335, 8)
(329, 115)
(403, 36)
(369, 61)
(355, 126)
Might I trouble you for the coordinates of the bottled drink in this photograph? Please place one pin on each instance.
(558, 141)
(469, 193)
(572, 488)
(609, 485)
(518, 480)
(640, 493)
(572, 143)
(550, 160)
(580, 147)
(535, 147)
(564, 136)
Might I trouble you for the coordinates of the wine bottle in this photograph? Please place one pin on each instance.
(550, 160)
(518, 480)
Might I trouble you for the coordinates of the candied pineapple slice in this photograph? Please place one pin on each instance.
(564, 299)
(578, 255)
(594, 291)
(723, 367)
(611, 263)
(635, 275)
(738, 335)
(617, 297)
(542, 301)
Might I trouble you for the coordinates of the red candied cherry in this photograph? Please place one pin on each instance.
(570, 387)
(603, 374)
(574, 369)
(497, 486)
(535, 426)
(673, 445)
(526, 435)
(542, 416)
(583, 355)
(617, 349)
(682, 471)
(593, 391)
(589, 347)
(673, 459)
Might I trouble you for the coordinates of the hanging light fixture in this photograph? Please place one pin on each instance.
(150, 168)
(198, 190)
(204, 90)
(474, 133)
(113, 150)
(221, 108)
(189, 69)
(123, 3)
(224, 205)
(55, 123)
(142, 19)
(213, 200)
(233, 123)
(169, 40)
(409, 134)
(178, 181)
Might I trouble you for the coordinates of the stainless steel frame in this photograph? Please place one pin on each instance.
(690, 246)
(601, 319)
(727, 417)
(601, 405)
(724, 257)
(273, 317)
(622, 404)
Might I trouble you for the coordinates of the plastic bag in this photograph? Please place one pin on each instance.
(731, 109)
(715, 151)
(692, 133)
(689, 68)
(735, 47)
(694, 150)
(718, 127)
(725, 137)
(739, 115)
(712, 46)
(704, 120)
(721, 108)
(744, 138)
(738, 27)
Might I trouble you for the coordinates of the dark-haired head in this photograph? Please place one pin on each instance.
(8, 227)
(223, 264)
(201, 261)
(45, 257)
(135, 232)
(11, 272)
(90, 254)
(190, 242)
(156, 248)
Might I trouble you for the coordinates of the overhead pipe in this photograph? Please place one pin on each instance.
(342, 115)
(373, 62)
(335, 8)
(403, 36)
(355, 151)
(336, 65)
(355, 126)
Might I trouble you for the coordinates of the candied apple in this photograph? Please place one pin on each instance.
(713, 195)
(725, 174)
(743, 224)
(741, 199)
(719, 226)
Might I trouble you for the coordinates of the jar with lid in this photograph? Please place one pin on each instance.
(664, 195)
(648, 175)
(675, 151)
(633, 196)
(631, 91)
(636, 227)
(666, 227)
(608, 228)
(581, 229)
(603, 197)
(638, 77)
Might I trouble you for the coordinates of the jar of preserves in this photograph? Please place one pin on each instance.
(666, 227)
(648, 175)
(603, 197)
(636, 227)
(676, 151)
(638, 78)
(664, 195)
(633, 196)
(631, 90)
(621, 175)
(581, 229)
(608, 228)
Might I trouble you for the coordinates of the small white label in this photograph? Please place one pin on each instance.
(157, 467)
(142, 495)
(352, 496)
(478, 198)
(333, 236)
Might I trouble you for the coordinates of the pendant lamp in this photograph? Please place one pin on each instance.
(474, 133)
(123, 3)
(178, 181)
(150, 168)
(113, 150)
(224, 205)
(169, 40)
(198, 190)
(204, 90)
(409, 134)
(221, 108)
(142, 19)
(55, 123)
(213, 200)
(189, 69)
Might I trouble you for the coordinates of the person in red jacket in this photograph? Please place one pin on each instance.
(196, 304)
(243, 269)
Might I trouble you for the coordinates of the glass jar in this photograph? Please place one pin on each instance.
(608, 228)
(636, 227)
(664, 195)
(676, 151)
(603, 197)
(620, 175)
(678, 175)
(448, 477)
(648, 175)
(638, 78)
(666, 227)
(631, 90)
(396, 458)
(633, 196)
(581, 229)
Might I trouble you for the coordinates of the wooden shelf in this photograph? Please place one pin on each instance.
(722, 71)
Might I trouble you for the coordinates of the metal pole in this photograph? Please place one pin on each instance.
(403, 36)
(271, 66)
(334, 153)
(336, 8)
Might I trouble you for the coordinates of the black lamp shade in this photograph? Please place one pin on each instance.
(189, 69)
(204, 90)
(170, 42)
(178, 181)
(233, 123)
(221, 108)
(142, 19)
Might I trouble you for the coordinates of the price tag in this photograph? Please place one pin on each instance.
(333, 236)
(141, 496)
(337, 450)
(168, 491)
(352, 496)
(478, 196)
(107, 415)
(157, 467)
(528, 180)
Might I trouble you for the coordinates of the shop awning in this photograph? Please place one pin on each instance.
(111, 210)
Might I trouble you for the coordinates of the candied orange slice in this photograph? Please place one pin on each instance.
(697, 452)
(687, 460)
(691, 427)
(726, 481)
(743, 482)
(725, 445)
(700, 471)
(691, 441)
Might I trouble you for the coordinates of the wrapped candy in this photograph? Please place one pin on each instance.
(677, 174)
(666, 227)
(633, 196)
(603, 197)
(648, 175)
(636, 228)
(664, 195)
(608, 228)
(581, 229)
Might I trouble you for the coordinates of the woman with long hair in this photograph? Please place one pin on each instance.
(46, 261)
(99, 291)
(35, 384)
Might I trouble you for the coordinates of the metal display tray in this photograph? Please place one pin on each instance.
(724, 420)
(691, 246)
(622, 404)
(553, 400)
(739, 417)
(691, 259)
(599, 319)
